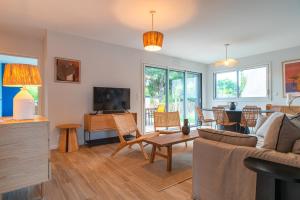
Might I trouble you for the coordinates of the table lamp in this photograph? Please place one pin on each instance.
(22, 75)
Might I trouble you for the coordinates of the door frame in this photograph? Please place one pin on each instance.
(39, 65)
(167, 68)
(199, 102)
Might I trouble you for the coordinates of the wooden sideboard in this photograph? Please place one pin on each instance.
(100, 123)
(283, 108)
(24, 153)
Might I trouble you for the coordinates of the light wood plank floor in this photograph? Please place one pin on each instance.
(74, 177)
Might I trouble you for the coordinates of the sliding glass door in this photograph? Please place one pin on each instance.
(170, 90)
(193, 96)
(155, 93)
(176, 92)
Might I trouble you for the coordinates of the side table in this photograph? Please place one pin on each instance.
(275, 181)
(68, 137)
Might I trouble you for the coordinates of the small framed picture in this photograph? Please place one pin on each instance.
(67, 70)
(291, 76)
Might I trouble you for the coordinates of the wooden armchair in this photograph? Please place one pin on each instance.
(202, 119)
(249, 117)
(221, 117)
(167, 120)
(160, 108)
(126, 125)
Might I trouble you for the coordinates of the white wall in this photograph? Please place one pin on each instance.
(21, 45)
(101, 65)
(275, 60)
(115, 66)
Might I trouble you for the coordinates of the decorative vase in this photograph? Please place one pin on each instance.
(186, 127)
(232, 106)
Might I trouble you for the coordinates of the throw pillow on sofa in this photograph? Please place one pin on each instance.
(270, 129)
(228, 137)
(260, 121)
(281, 133)
(288, 134)
(296, 121)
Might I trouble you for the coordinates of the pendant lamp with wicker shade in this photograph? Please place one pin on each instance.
(227, 62)
(153, 40)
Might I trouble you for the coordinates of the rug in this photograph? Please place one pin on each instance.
(155, 173)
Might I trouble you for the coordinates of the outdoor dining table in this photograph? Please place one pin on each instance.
(235, 116)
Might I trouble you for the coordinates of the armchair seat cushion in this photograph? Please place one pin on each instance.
(208, 120)
(169, 131)
(228, 137)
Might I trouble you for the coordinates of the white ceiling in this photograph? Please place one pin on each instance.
(193, 29)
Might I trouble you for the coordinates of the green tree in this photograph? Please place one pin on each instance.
(175, 86)
(155, 83)
(34, 91)
(243, 82)
(226, 88)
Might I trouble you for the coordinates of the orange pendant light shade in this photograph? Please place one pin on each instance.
(153, 40)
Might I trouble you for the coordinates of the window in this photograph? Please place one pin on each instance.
(170, 90)
(244, 83)
(226, 85)
(253, 82)
(7, 93)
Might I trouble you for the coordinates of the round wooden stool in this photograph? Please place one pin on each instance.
(68, 137)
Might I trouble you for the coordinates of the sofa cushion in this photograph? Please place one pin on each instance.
(271, 129)
(296, 147)
(271, 126)
(288, 134)
(296, 119)
(260, 121)
(260, 141)
(228, 137)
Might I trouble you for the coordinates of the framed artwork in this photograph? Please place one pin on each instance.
(67, 70)
(291, 76)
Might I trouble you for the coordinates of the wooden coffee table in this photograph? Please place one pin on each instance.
(168, 141)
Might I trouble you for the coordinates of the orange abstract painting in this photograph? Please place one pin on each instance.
(291, 76)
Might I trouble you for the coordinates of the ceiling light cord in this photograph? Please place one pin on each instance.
(226, 46)
(228, 62)
(152, 21)
(152, 14)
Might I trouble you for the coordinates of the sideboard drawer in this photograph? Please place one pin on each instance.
(102, 122)
(24, 154)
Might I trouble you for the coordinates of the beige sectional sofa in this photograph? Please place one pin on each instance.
(219, 172)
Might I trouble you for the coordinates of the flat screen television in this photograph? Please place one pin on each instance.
(111, 99)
